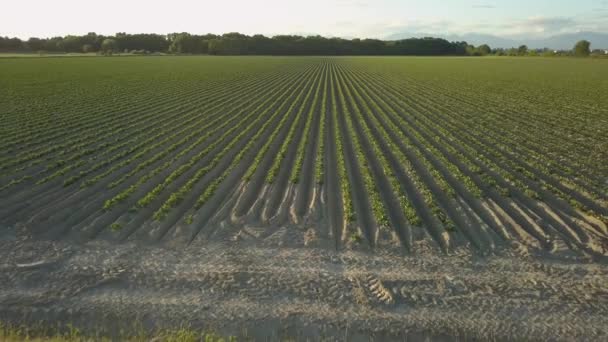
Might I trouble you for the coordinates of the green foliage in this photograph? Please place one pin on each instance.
(297, 169)
(582, 48)
(320, 153)
(210, 190)
(109, 46)
(522, 50)
(484, 49)
(356, 238)
(234, 43)
(345, 188)
(274, 169)
(481, 50)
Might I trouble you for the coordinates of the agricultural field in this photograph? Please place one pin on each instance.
(376, 152)
(387, 161)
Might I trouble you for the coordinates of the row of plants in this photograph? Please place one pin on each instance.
(518, 173)
(112, 97)
(405, 201)
(536, 150)
(262, 152)
(160, 123)
(33, 130)
(492, 175)
(394, 136)
(196, 128)
(281, 154)
(338, 139)
(251, 100)
(235, 121)
(297, 169)
(213, 92)
(378, 209)
(321, 132)
(208, 192)
(96, 123)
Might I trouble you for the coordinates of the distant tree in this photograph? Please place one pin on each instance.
(11, 44)
(86, 48)
(234, 43)
(582, 48)
(522, 50)
(54, 44)
(484, 49)
(142, 41)
(548, 52)
(215, 47)
(471, 50)
(109, 46)
(187, 43)
(35, 44)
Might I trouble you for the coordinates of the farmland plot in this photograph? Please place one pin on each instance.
(315, 197)
(372, 153)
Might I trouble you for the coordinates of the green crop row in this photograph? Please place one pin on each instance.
(176, 197)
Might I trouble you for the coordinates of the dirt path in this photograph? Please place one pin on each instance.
(268, 289)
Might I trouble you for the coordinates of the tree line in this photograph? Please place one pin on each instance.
(581, 49)
(240, 44)
(233, 44)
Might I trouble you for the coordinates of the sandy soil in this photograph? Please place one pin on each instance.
(278, 287)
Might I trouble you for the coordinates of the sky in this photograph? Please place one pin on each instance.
(341, 18)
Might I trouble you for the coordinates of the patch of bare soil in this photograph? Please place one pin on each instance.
(280, 288)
